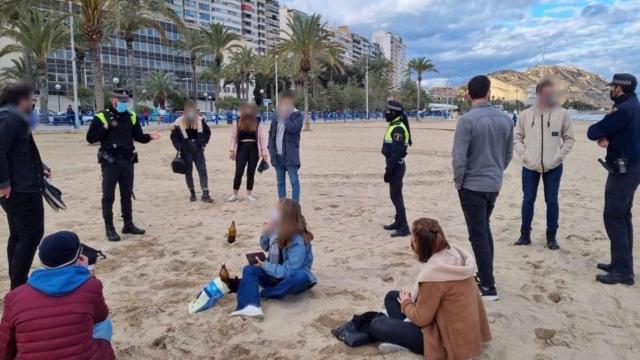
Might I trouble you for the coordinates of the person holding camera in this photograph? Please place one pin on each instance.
(116, 128)
(619, 133)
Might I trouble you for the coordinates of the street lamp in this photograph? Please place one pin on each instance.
(116, 81)
(58, 87)
(267, 104)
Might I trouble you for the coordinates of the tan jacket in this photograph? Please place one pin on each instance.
(448, 307)
(543, 138)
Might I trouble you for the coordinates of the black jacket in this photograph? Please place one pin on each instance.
(622, 128)
(20, 163)
(394, 148)
(120, 135)
(194, 137)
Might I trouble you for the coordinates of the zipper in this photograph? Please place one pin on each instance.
(542, 141)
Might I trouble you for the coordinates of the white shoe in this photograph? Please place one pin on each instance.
(250, 311)
(251, 198)
(232, 198)
(387, 348)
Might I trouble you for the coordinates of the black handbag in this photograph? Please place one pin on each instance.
(178, 165)
(92, 254)
(356, 332)
(263, 166)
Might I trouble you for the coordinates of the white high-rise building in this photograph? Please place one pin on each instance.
(395, 50)
(354, 46)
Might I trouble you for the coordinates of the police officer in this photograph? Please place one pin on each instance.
(396, 141)
(116, 128)
(619, 133)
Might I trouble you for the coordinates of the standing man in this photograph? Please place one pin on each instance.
(543, 138)
(482, 150)
(284, 144)
(619, 133)
(22, 176)
(394, 148)
(116, 128)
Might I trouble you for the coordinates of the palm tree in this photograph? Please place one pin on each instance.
(243, 62)
(160, 85)
(192, 42)
(39, 34)
(307, 42)
(420, 65)
(216, 39)
(214, 74)
(19, 71)
(93, 22)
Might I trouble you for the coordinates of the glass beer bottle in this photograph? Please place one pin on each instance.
(231, 235)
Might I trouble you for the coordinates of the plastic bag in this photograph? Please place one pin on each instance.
(209, 296)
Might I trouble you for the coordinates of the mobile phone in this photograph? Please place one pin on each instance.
(252, 257)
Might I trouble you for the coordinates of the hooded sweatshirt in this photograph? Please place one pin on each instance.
(448, 307)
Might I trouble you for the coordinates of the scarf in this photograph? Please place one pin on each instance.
(451, 264)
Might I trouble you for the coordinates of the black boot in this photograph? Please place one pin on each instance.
(193, 195)
(613, 278)
(392, 226)
(112, 234)
(401, 231)
(525, 238)
(604, 267)
(130, 228)
(552, 243)
(205, 197)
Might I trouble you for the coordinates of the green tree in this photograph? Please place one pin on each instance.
(420, 65)
(18, 71)
(229, 102)
(161, 85)
(86, 97)
(407, 94)
(243, 62)
(192, 43)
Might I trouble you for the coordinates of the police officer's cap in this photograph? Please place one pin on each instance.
(627, 82)
(120, 94)
(394, 105)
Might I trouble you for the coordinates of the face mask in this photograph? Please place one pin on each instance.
(122, 107)
(190, 116)
(612, 96)
(390, 116)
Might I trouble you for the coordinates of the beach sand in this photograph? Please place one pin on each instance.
(550, 306)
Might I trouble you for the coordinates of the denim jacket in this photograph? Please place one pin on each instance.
(297, 257)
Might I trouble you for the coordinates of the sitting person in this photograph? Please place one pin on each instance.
(60, 313)
(445, 313)
(287, 271)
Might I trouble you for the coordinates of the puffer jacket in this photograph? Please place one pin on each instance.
(53, 317)
(543, 138)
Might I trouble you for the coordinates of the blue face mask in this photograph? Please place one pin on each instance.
(122, 107)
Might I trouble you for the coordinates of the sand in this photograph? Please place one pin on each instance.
(551, 306)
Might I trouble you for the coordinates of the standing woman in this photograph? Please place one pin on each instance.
(190, 135)
(248, 146)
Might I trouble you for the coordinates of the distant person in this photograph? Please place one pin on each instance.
(482, 150)
(190, 135)
(155, 114)
(71, 115)
(60, 313)
(443, 316)
(515, 118)
(397, 140)
(291, 274)
(284, 144)
(248, 147)
(543, 138)
(619, 133)
(22, 175)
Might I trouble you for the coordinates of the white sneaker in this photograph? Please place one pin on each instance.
(232, 198)
(250, 311)
(387, 348)
(251, 198)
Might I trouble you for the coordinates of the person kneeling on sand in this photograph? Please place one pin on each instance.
(443, 317)
(60, 312)
(288, 272)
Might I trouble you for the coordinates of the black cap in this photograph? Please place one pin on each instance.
(59, 249)
(627, 82)
(121, 94)
(394, 105)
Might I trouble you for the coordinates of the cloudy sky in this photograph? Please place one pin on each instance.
(467, 37)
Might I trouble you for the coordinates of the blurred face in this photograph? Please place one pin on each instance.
(285, 105)
(615, 91)
(191, 114)
(548, 96)
(26, 104)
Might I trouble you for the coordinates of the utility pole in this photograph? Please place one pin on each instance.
(76, 120)
(277, 97)
(366, 86)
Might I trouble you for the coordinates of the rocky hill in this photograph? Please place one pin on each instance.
(575, 83)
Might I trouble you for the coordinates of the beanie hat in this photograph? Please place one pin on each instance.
(59, 249)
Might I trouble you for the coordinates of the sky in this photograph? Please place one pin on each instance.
(466, 38)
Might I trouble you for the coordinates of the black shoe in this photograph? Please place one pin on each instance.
(393, 226)
(614, 278)
(205, 197)
(112, 234)
(129, 228)
(193, 196)
(488, 293)
(604, 267)
(401, 231)
(552, 243)
(525, 238)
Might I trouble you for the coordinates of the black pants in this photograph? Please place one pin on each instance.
(247, 156)
(394, 329)
(477, 208)
(395, 192)
(196, 156)
(25, 216)
(118, 173)
(618, 201)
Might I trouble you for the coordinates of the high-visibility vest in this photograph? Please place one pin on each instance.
(103, 118)
(392, 126)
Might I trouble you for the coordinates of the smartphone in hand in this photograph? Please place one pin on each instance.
(251, 257)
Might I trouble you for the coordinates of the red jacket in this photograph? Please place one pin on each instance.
(39, 326)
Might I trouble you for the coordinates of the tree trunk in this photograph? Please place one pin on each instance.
(131, 70)
(194, 79)
(98, 76)
(419, 82)
(237, 85)
(305, 89)
(43, 84)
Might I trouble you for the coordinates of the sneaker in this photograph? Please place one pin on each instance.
(489, 293)
(251, 198)
(250, 311)
(387, 348)
(232, 198)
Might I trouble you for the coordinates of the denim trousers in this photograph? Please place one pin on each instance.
(281, 177)
(196, 157)
(394, 329)
(551, 181)
(254, 277)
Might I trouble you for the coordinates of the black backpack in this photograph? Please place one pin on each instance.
(356, 332)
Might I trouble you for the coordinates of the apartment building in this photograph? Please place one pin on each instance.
(394, 49)
(354, 46)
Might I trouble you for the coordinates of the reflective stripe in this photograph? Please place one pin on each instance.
(389, 139)
(103, 118)
(134, 117)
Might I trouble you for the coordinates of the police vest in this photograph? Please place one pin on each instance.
(388, 138)
(119, 138)
(104, 121)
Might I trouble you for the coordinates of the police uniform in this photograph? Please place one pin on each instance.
(396, 142)
(116, 132)
(621, 128)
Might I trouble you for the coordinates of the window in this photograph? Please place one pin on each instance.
(204, 16)
(190, 3)
(189, 13)
(203, 6)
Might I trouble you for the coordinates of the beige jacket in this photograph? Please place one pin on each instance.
(543, 138)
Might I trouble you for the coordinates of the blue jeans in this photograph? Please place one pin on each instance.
(281, 176)
(530, 181)
(254, 277)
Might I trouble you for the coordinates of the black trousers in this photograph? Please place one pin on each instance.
(118, 173)
(25, 216)
(395, 192)
(477, 207)
(618, 201)
(196, 156)
(393, 329)
(246, 156)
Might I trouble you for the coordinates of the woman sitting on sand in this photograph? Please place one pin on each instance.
(445, 313)
(290, 273)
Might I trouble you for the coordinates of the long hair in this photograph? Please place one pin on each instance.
(429, 238)
(248, 120)
(292, 223)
